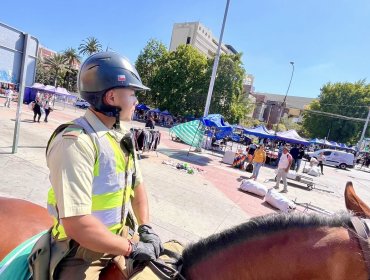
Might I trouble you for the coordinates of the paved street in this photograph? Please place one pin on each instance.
(183, 206)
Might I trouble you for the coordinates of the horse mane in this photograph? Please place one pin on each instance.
(256, 227)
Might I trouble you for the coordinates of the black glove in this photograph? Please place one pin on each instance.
(148, 235)
(143, 252)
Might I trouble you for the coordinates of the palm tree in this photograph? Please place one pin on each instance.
(90, 46)
(73, 59)
(56, 64)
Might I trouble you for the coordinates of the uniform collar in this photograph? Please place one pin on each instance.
(96, 123)
(101, 129)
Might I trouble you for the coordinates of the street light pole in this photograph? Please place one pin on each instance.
(286, 94)
(215, 64)
(364, 131)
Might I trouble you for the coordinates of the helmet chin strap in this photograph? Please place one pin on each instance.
(117, 124)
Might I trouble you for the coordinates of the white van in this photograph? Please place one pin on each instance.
(335, 158)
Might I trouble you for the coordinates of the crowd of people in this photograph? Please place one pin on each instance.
(159, 118)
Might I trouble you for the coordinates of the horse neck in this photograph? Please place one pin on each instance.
(312, 253)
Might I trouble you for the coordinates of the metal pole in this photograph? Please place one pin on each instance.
(215, 64)
(364, 130)
(21, 93)
(286, 94)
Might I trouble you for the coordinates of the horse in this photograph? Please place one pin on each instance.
(354, 203)
(275, 246)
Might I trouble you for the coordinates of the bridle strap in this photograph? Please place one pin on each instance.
(364, 239)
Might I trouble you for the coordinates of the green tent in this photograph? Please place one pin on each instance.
(190, 132)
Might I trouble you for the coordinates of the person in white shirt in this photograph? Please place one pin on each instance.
(8, 95)
(283, 168)
(321, 158)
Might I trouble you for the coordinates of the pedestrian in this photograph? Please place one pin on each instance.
(150, 123)
(294, 153)
(250, 152)
(8, 96)
(299, 158)
(321, 158)
(36, 110)
(259, 159)
(283, 168)
(96, 179)
(47, 109)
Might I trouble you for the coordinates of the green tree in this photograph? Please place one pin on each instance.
(42, 74)
(179, 84)
(90, 46)
(228, 97)
(346, 99)
(148, 64)
(70, 77)
(57, 65)
(250, 122)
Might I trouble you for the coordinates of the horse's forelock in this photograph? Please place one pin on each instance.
(256, 227)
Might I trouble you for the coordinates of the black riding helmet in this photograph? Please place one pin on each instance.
(104, 71)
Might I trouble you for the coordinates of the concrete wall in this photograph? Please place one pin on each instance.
(200, 37)
(11, 52)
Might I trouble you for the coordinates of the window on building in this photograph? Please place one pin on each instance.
(188, 40)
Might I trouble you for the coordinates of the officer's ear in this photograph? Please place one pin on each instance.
(109, 98)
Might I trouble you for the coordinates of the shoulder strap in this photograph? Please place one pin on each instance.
(58, 130)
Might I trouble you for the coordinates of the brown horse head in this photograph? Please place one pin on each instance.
(279, 246)
(354, 203)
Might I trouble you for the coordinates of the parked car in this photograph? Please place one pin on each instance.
(334, 158)
(82, 104)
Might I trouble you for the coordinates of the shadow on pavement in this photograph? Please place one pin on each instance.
(270, 207)
(25, 120)
(183, 156)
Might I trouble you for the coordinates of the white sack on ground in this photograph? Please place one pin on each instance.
(253, 187)
(279, 201)
(314, 171)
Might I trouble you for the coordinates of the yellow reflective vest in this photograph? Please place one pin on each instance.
(112, 184)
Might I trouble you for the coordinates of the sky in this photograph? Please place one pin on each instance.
(328, 40)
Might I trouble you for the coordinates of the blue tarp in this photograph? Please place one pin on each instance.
(142, 107)
(155, 110)
(291, 136)
(259, 131)
(316, 141)
(343, 146)
(166, 113)
(223, 129)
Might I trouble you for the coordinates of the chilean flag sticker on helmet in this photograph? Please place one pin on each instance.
(121, 78)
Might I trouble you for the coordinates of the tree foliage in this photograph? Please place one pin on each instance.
(346, 99)
(90, 46)
(180, 79)
(148, 65)
(57, 65)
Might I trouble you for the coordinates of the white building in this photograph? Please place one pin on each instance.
(199, 36)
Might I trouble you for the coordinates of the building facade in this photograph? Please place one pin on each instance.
(269, 107)
(17, 47)
(198, 36)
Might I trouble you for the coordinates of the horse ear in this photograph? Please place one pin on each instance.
(354, 203)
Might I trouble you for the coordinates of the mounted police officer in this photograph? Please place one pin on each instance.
(95, 177)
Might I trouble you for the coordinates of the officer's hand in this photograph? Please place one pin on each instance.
(143, 252)
(148, 235)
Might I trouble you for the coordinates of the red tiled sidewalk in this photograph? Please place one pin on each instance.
(227, 182)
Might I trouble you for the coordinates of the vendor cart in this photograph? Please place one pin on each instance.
(300, 178)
